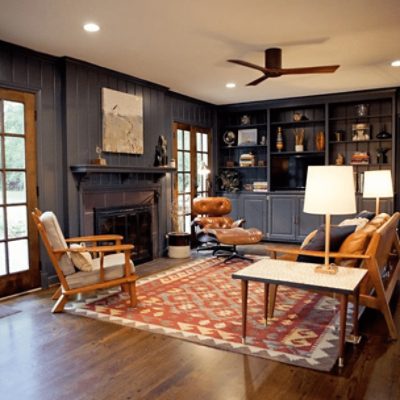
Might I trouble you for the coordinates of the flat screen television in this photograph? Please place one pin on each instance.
(289, 172)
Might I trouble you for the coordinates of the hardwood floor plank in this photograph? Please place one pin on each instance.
(46, 356)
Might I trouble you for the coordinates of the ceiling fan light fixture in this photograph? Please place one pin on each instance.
(395, 63)
(91, 27)
(230, 85)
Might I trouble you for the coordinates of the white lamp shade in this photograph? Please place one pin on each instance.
(378, 184)
(330, 190)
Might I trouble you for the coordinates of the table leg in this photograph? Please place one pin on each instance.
(342, 332)
(266, 297)
(245, 285)
(355, 337)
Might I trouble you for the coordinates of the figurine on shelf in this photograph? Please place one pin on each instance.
(99, 160)
(279, 139)
(320, 141)
(381, 155)
(263, 141)
(161, 158)
(339, 159)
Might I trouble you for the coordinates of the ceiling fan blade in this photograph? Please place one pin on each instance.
(308, 70)
(247, 64)
(257, 81)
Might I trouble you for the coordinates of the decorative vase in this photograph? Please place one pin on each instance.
(178, 245)
(320, 141)
(299, 147)
(279, 139)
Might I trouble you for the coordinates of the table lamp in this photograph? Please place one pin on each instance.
(377, 184)
(329, 191)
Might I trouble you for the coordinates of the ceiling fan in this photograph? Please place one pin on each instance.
(273, 67)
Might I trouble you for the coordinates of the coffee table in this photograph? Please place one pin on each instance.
(302, 275)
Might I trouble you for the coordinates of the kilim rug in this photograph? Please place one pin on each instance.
(201, 303)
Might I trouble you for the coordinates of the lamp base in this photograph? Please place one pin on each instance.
(331, 269)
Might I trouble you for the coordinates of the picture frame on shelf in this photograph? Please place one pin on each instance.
(247, 137)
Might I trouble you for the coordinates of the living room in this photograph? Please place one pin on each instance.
(173, 57)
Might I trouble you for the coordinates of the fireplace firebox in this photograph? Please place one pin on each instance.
(134, 223)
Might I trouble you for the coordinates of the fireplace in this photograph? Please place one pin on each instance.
(133, 222)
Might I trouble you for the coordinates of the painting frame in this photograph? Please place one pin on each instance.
(247, 137)
(122, 122)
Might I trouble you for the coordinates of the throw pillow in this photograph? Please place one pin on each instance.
(358, 222)
(82, 260)
(337, 235)
(365, 214)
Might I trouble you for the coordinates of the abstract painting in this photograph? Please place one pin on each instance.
(122, 122)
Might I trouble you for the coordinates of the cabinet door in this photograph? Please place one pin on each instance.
(306, 222)
(282, 217)
(254, 211)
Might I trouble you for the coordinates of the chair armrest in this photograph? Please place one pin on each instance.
(94, 238)
(313, 253)
(100, 249)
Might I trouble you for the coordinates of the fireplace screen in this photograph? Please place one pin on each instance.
(134, 223)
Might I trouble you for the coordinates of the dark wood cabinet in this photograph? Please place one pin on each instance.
(345, 124)
(254, 211)
(282, 217)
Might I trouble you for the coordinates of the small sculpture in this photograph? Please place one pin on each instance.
(320, 141)
(229, 181)
(299, 137)
(381, 155)
(339, 159)
(99, 160)
(279, 139)
(161, 157)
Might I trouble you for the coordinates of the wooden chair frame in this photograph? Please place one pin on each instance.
(127, 282)
(382, 257)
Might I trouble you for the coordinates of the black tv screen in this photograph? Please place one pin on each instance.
(289, 172)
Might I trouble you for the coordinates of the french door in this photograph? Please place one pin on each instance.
(19, 264)
(192, 152)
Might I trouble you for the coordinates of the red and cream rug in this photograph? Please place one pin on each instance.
(201, 303)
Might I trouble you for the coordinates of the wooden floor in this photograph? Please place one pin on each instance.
(47, 356)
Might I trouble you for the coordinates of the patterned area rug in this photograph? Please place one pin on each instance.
(201, 303)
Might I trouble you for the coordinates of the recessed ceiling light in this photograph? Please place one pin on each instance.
(396, 63)
(91, 27)
(230, 85)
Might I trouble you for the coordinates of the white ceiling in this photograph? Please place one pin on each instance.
(184, 44)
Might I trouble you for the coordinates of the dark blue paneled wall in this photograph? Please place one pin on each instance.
(68, 97)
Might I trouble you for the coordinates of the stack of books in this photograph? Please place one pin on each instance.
(360, 158)
(260, 186)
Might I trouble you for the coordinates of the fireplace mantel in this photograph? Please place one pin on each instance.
(81, 171)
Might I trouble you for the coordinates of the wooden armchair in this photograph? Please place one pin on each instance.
(382, 260)
(103, 271)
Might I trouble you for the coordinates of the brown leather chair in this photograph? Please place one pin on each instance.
(218, 232)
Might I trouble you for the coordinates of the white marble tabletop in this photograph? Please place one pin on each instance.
(298, 274)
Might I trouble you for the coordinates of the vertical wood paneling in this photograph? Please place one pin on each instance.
(20, 70)
(29, 71)
(5, 64)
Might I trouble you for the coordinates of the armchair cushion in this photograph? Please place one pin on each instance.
(337, 235)
(57, 241)
(82, 260)
(114, 268)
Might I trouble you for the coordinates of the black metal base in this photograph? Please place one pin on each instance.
(232, 253)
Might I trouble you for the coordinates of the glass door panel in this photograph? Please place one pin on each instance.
(191, 149)
(18, 245)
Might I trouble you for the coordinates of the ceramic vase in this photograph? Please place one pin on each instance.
(320, 141)
(279, 140)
